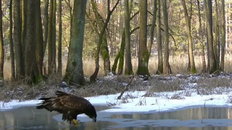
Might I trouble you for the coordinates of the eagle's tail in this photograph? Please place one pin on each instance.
(47, 104)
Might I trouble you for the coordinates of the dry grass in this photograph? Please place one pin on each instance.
(208, 86)
(178, 65)
(162, 84)
(104, 86)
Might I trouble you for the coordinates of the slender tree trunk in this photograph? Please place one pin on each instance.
(152, 27)
(74, 72)
(105, 54)
(11, 42)
(1, 45)
(128, 64)
(201, 36)
(45, 34)
(23, 24)
(217, 35)
(223, 36)
(17, 39)
(100, 40)
(39, 52)
(209, 23)
(143, 55)
(45, 23)
(60, 40)
(52, 39)
(167, 68)
(159, 39)
(119, 59)
(192, 68)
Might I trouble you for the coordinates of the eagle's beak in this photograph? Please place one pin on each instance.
(94, 119)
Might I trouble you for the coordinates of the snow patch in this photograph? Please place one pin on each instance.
(137, 101)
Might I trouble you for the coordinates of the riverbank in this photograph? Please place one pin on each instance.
(157, 93)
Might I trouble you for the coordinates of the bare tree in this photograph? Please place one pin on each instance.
(188, 18)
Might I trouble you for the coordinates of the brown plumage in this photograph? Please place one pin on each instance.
(69, 105)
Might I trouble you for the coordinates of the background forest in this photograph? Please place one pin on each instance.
(73, 39)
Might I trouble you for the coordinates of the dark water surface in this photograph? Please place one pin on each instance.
(197, 118)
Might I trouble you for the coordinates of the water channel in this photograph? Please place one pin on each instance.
(197, 118)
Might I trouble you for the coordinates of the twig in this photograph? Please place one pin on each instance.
(126, 88)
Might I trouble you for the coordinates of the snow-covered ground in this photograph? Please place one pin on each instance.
(138, 101)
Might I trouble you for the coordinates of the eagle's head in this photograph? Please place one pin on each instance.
(92, 113)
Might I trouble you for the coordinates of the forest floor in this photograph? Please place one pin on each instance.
(204, 83)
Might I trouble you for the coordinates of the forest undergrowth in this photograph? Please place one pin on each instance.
(204, 83)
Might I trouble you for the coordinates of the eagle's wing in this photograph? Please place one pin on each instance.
(71, 103)
(64, 103)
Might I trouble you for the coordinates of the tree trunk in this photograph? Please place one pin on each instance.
(39, 52)
(159, 39)
(45, 34)
(45, 22)
(143, 55)
(33, 42)
(192, 67)
(201, 36)
(52, 39)
(217, 35)
(209, 23)
(105, 54)
(128, 64)
(223, 36)
(152, 27)
(119, 59)
(60, 40)
(17, 40)
(166, 69)
(12, 57)
(1, 45)
(74, 72)
(104, 51)
(100, 40)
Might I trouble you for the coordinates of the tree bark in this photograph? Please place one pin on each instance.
(217, 35)
(60, 40)
(100, 40)
(74, 72)
(17, 39)
(1, 45)
(128, 64)
(209, 23)
(223, 36)
(52, 39)
(33, 42)
(201, 36)
(159, 39)
(143, 55)
(192, 67)
(152, 27)
(166, 68)
(119, 59)
(45, 19)
(12, 57)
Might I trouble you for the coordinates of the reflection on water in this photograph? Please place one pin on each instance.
(218, 118)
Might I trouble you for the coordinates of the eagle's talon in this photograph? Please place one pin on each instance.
(75, 122)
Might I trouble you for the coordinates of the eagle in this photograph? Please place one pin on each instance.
(68, 105)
